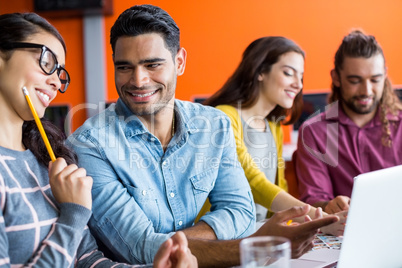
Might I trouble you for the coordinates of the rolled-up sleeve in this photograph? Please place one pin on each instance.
(232, 213)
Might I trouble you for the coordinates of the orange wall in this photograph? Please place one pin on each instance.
(215, 33)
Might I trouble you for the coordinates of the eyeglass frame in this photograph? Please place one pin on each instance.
(57, 66)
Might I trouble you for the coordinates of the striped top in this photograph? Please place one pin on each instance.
(34, 229)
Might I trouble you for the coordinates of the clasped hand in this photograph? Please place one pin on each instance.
(70, 184)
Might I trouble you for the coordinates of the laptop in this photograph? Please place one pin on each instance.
(373, 231)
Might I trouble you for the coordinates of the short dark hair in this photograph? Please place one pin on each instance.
(242, 87)
(143, 19)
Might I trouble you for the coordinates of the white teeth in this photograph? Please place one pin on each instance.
(46, 97)
(291, 93)
(143, 95)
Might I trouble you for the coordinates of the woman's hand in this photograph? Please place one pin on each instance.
(70, 184)
(338, 227)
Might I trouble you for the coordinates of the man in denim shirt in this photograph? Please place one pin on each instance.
(155, 160)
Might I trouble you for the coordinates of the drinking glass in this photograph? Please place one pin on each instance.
(265, 251)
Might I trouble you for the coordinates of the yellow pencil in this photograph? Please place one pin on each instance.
(39, 124)
(289, 222)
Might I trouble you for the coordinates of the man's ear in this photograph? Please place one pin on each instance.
(181, 57)
(335, 78)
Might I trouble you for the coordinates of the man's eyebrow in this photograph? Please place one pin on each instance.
(121, 62)
(152, 60)
(377, 75)
(124, 62)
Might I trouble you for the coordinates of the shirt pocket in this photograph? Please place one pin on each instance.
(148, 202)
(203, 184)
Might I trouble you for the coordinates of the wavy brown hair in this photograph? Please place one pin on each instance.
(355, 45)
(241, 89)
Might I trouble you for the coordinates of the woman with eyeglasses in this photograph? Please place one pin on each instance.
(265, 88)
(45, 206)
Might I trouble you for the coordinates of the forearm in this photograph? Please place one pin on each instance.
(321, 204)
(201, 230)
(285, 201)
(218, 253)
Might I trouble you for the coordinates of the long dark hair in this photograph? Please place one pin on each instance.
(241, 89)
(355, 45)
(17, 27)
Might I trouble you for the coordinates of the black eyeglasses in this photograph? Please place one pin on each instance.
(47, 62)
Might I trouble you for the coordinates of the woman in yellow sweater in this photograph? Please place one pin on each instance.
(264, 90)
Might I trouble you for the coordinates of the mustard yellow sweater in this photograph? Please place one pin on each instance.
(264, 192)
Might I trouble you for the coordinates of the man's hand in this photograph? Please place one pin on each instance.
(338, 204)
(175, 253)
(301, 235)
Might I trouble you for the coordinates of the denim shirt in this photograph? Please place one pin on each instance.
(142, 195)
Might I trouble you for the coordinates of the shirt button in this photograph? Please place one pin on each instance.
(180, 223)
(164, 163)
(144, 192)
(171, 194)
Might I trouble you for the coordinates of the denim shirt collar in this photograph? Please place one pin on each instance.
(134, 126)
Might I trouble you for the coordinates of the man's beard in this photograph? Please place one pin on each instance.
(360, 109)
(152, 109)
